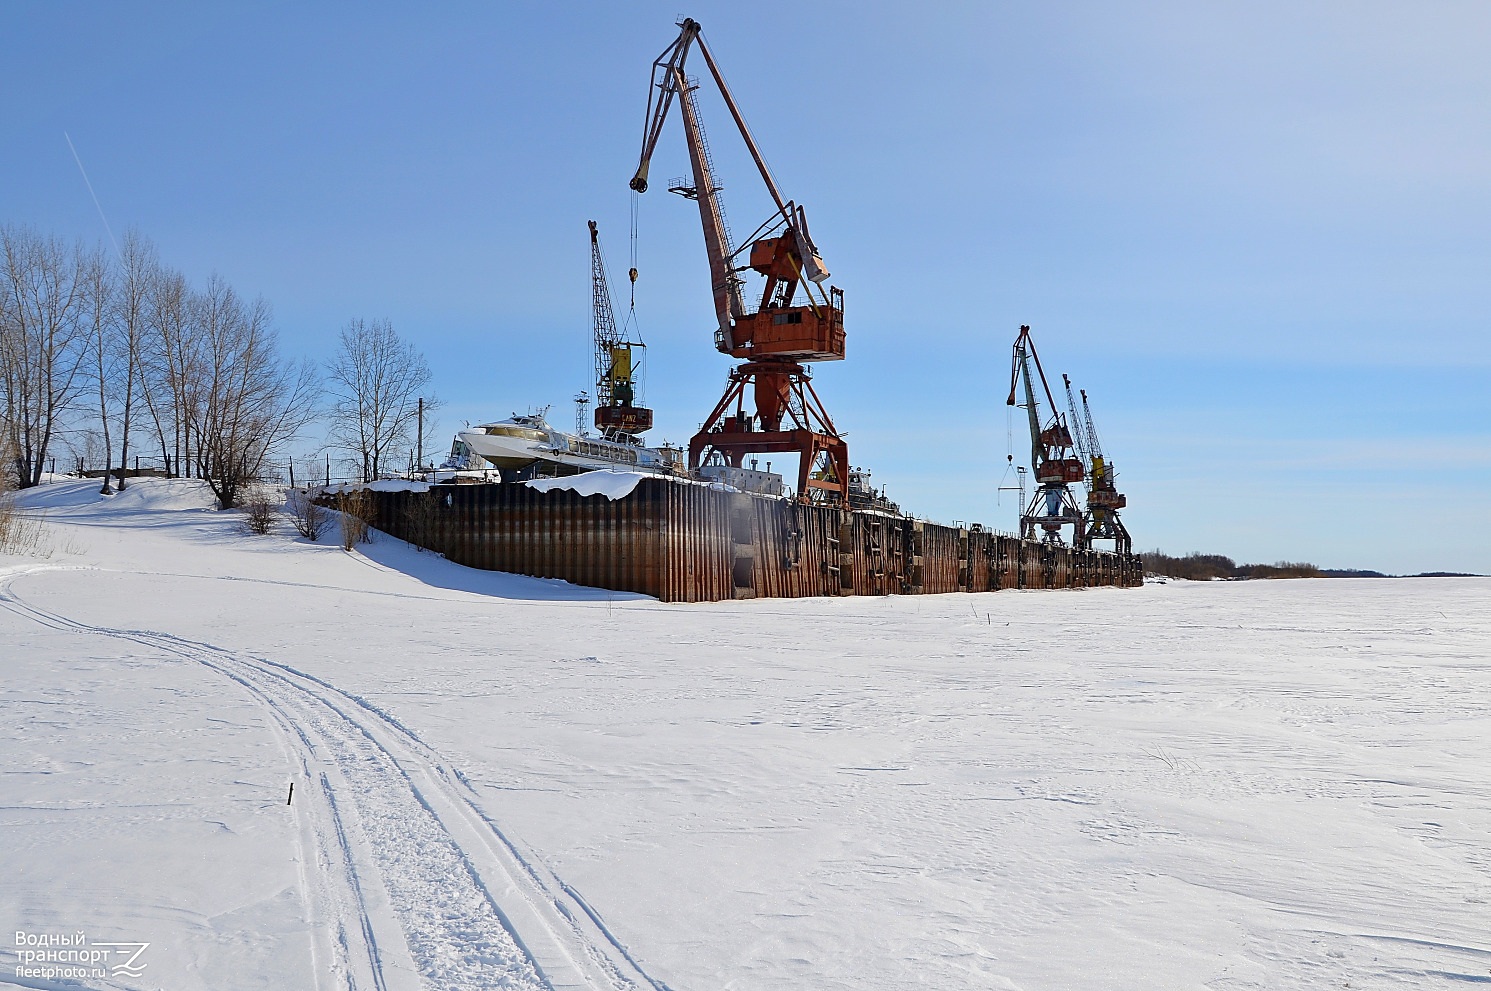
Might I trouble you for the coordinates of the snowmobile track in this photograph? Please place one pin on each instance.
(416, 885)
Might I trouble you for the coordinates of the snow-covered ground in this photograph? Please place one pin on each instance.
(504, 782)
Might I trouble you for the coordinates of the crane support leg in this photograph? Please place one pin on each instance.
(780, 391)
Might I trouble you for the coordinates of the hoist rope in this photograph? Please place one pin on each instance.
(1009, 455)
(1009, 433)
(632, 274)
(630, 324)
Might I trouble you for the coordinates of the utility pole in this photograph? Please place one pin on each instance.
(420, 434)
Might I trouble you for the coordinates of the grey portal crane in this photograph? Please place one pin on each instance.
(1052, 506)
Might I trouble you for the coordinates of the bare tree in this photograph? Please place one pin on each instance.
(375, 383)
(115, 306)
(98, 289)
(138, 270)
(7, 456)
(12, 387)
(251, 401)
(171, 360)
(43, 342)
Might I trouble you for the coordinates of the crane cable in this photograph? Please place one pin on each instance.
(630, 325)
(1009, 453)
(632, 273)
(1009, 434)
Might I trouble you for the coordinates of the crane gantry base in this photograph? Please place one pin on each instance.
(782, 390)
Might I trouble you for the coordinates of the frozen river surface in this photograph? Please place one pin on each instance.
(512, 783)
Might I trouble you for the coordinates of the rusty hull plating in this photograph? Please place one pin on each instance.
(695, 543)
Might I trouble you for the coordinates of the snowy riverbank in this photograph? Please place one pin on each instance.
(1224, 785)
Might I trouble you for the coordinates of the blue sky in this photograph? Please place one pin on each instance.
(1259, 234)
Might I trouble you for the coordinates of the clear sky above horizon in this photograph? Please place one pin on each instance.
(1259, 234)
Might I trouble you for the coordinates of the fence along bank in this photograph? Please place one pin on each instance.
(696, 543)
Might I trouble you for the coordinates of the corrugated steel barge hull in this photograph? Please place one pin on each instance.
(693, 543)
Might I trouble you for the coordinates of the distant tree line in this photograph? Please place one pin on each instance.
(1206, 567)
(119, 346)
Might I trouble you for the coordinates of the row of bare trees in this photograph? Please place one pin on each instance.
(127, 343)
(121, 342)
(43, 328)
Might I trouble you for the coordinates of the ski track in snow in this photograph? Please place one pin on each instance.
(418, 885)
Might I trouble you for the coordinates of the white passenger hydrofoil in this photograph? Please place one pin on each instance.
(527, 446)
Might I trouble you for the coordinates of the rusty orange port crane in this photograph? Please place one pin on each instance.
(1053, 506)
(795, 322)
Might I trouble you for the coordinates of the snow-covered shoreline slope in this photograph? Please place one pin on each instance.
(502, 782)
